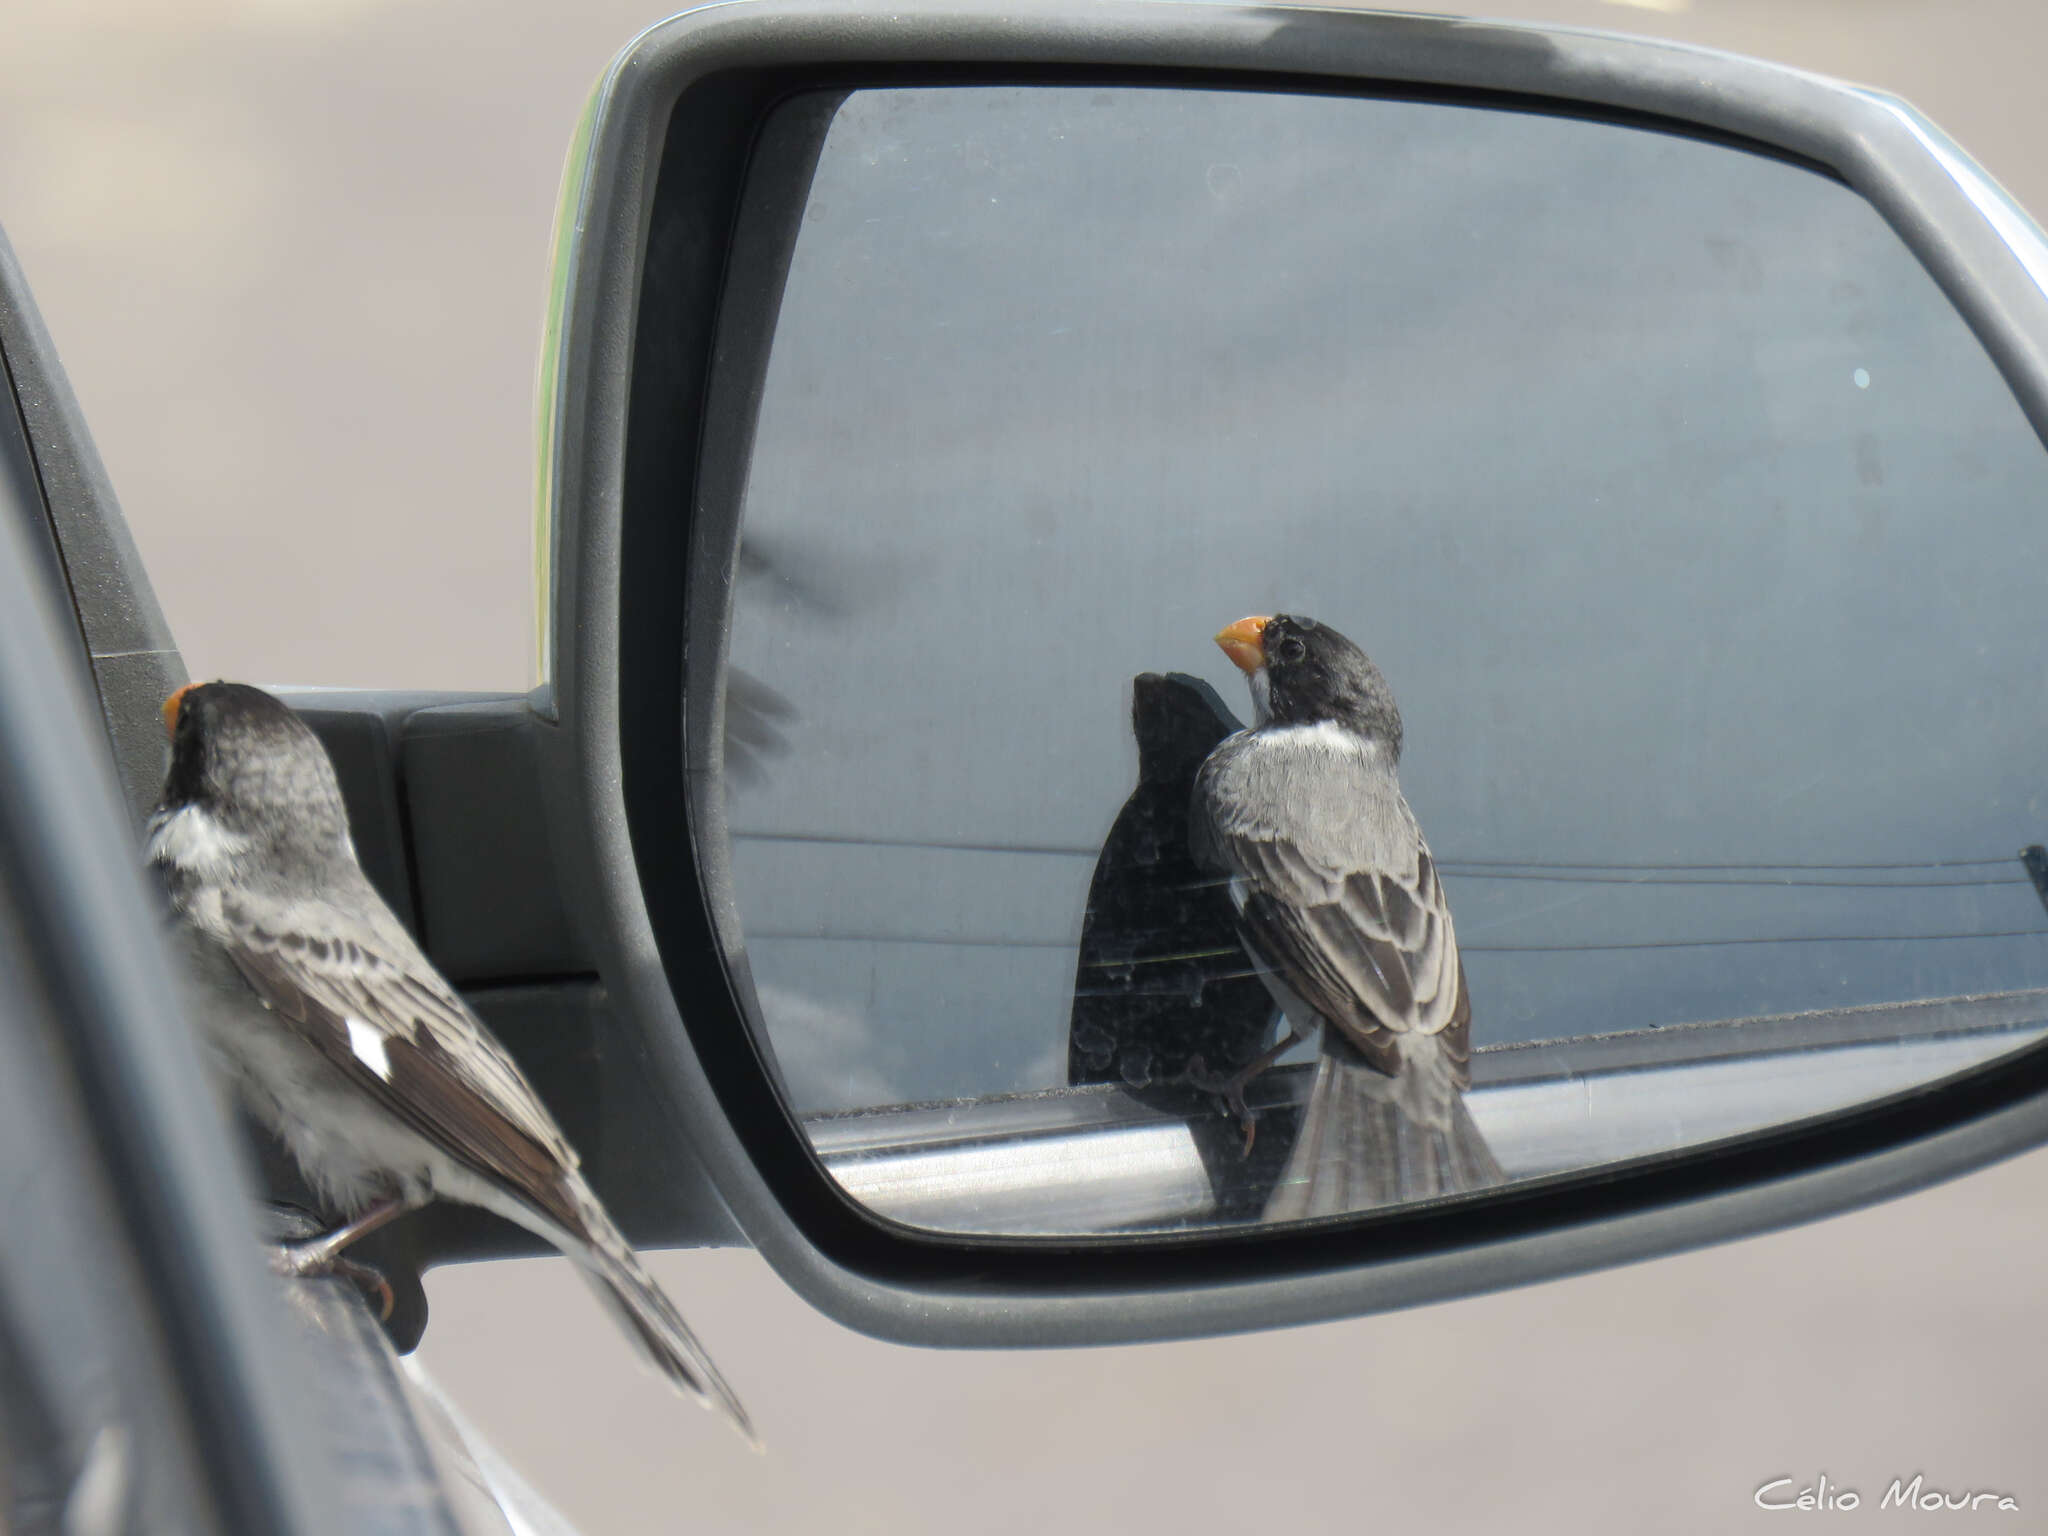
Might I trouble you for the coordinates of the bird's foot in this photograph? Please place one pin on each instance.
(1231, 1091)
(316, 1257)
(371, 1282)
(322, 1255)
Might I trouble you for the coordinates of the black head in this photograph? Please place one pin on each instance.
(256, 766)
(1305, 673)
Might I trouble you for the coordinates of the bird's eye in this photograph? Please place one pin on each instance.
(1292, 650)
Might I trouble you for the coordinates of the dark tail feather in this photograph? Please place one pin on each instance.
(615, 1273)
(1359, 1148)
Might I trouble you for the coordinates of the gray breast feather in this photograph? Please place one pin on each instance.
(1331, 809)
(1338, 895)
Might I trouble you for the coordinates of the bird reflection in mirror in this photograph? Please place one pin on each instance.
(1166, 1002)
(1337, 899)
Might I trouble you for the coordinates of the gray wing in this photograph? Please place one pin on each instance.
(1337, 893)
(375, 1008)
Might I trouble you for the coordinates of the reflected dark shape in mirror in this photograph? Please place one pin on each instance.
(1166, 1002)
(2034, 860)
(757, 719)
(1674, 493)
(806, 585)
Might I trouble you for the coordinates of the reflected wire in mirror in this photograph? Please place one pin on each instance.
(1688, 523)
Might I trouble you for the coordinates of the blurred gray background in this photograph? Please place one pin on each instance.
(292, 252)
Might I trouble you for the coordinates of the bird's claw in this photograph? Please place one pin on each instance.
(1231, 1091)
(375, 1288)
(310, 1260)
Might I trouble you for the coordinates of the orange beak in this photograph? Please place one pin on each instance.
(171, 708)
(1244, 643)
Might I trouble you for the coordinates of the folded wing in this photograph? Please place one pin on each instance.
(401, 1035)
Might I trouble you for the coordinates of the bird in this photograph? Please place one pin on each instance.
(341, 1038)
(1166, 1002)
(1339, 902)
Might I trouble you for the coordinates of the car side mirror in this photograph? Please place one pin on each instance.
(925, 388)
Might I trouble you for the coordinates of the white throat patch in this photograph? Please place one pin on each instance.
(1325, 736)
(191, 840)
(1262, 697)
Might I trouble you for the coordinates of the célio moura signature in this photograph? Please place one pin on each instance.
(1915, 1493)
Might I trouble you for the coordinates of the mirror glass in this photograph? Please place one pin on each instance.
(1694, 543)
